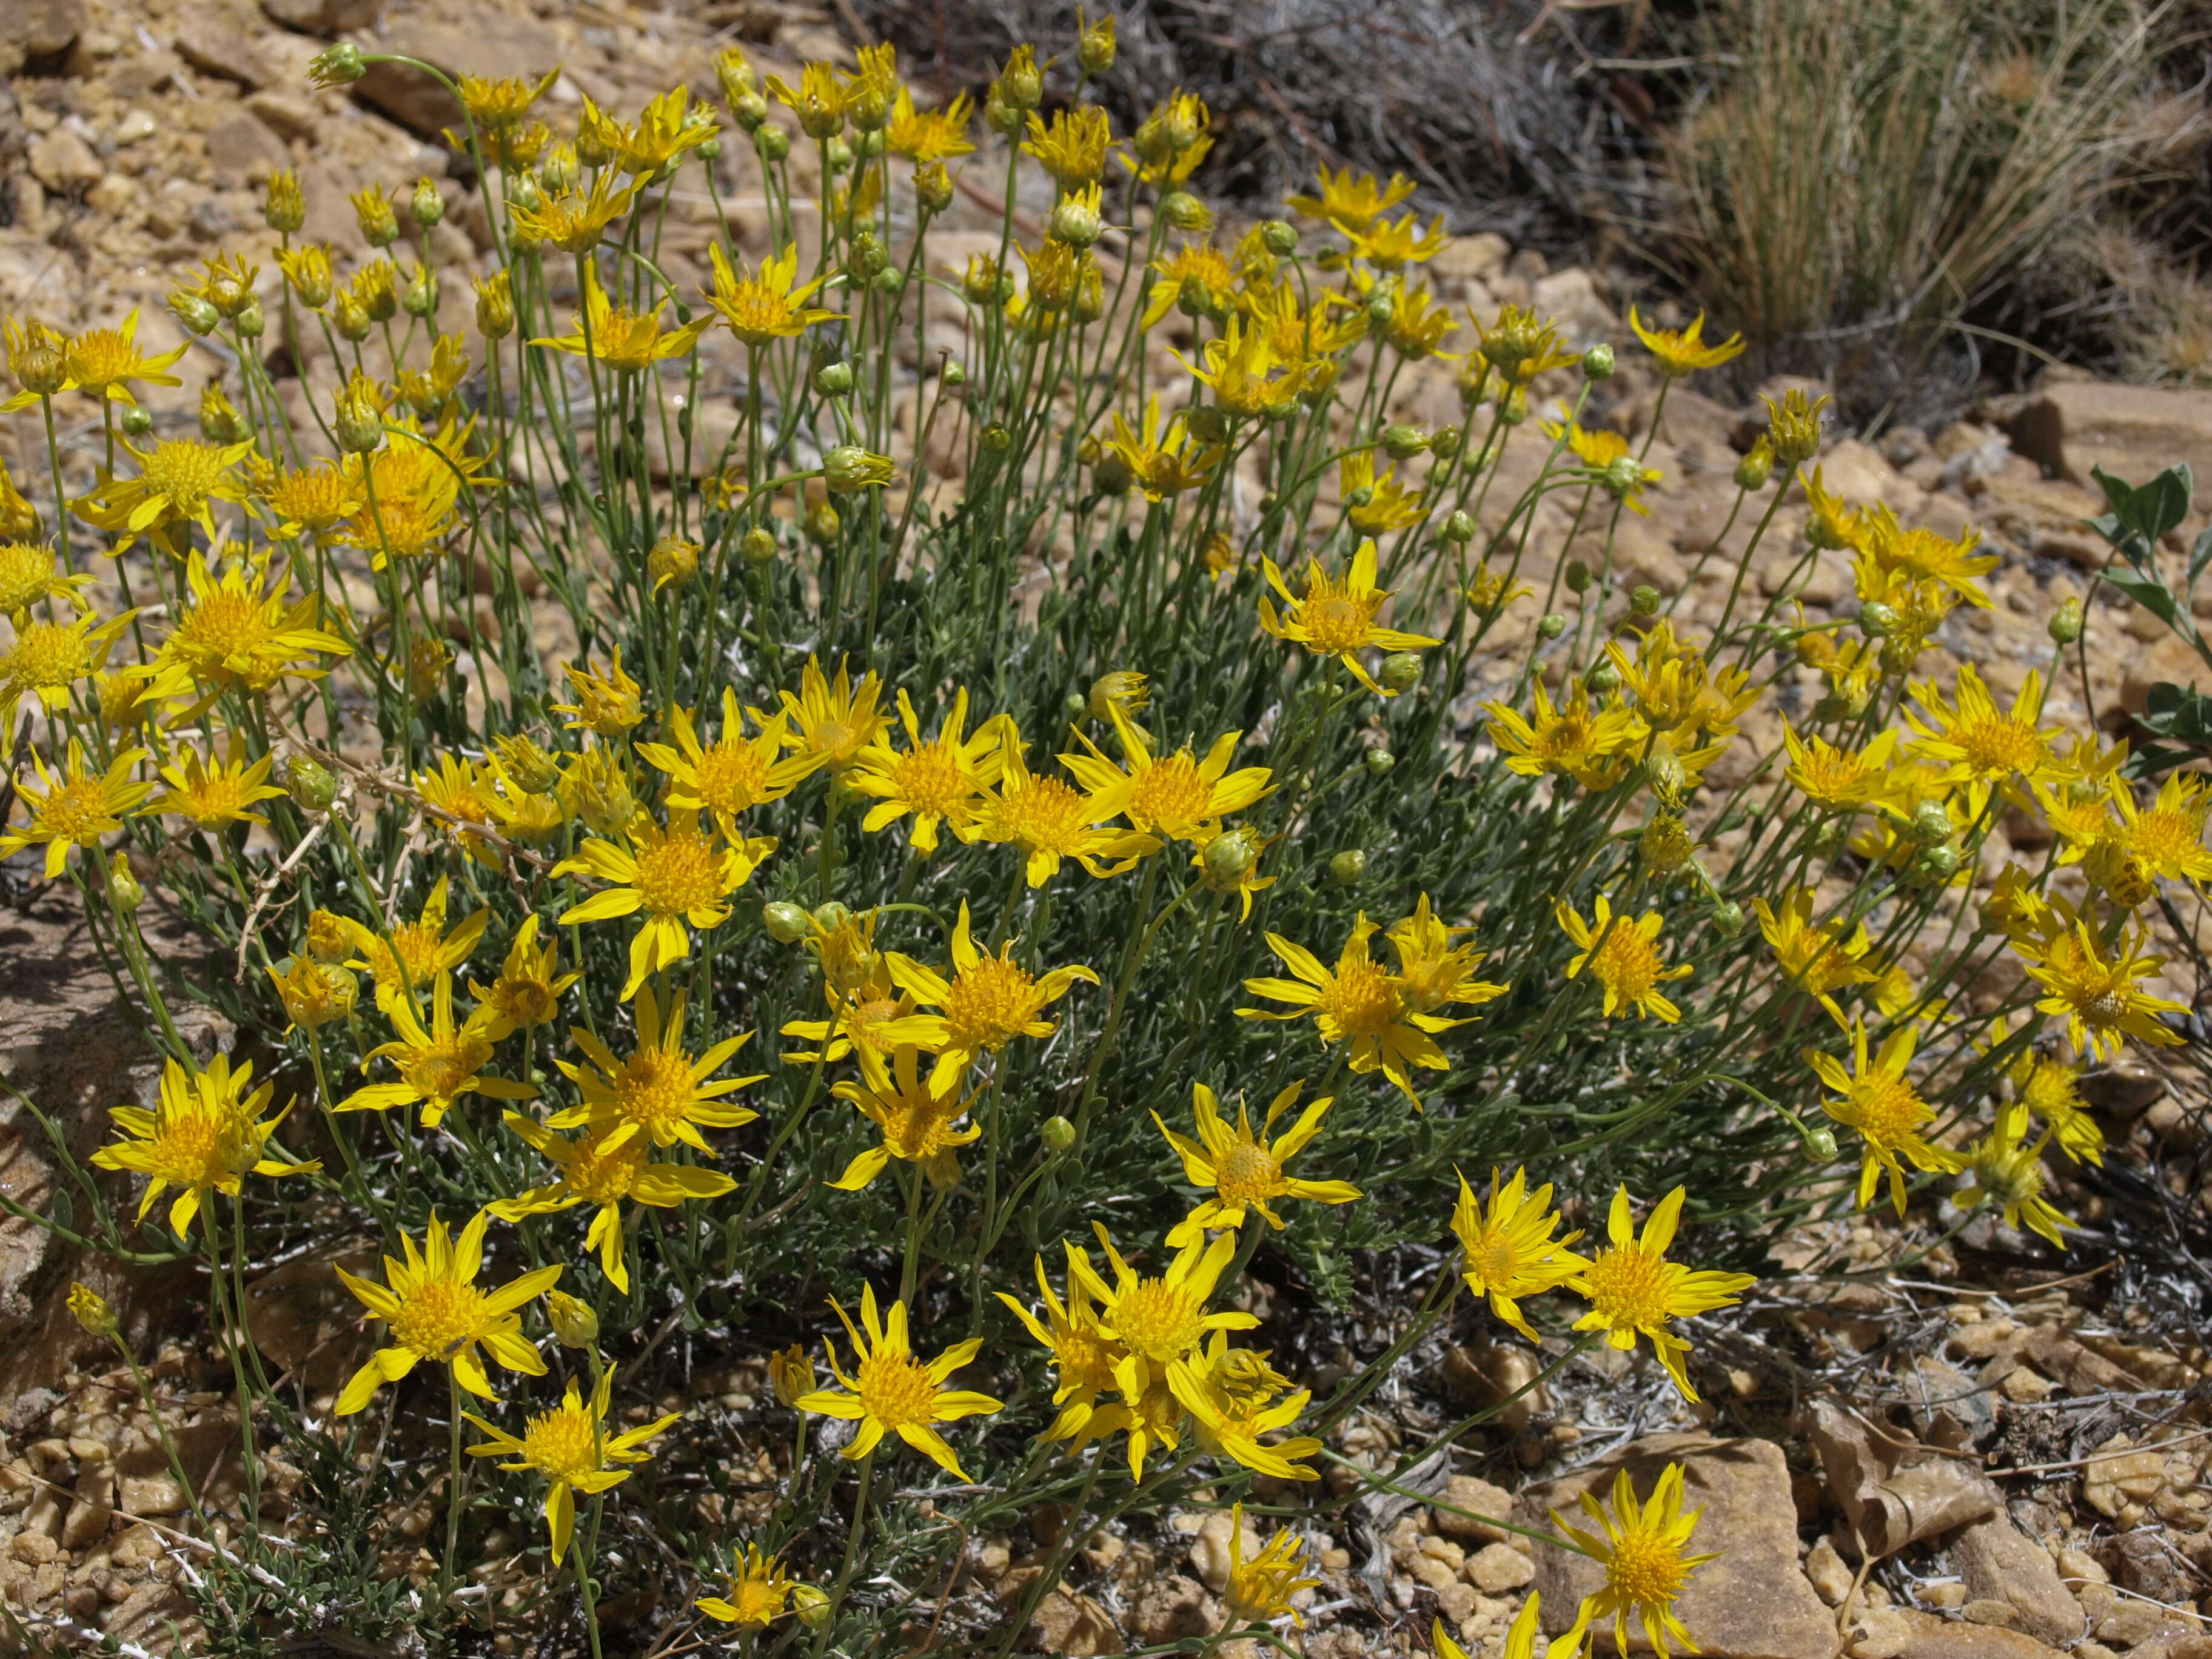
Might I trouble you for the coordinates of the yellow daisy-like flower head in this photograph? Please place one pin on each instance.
(2006, 1168)
(570, 1447)
(75, 807)
(1819, 960)
(1377, 504)
(628, 341)
(416, 952)
(1165, 462)
(575, 222)
(434, 1310)
(609, 704)
(1520, 345)
(1359, 1002)
(1050, 820)
(238, 634)
(1623, 955)
(1260, 1590)
(1432, 971)
(736, 772)
(603, 1168)
(835, 719)
(987, 1002)
(48, 658)
(1643, 1549)
(1570, 739)
(527, 993)
(1684, 352)
(758, 1593)
(2050, 1088)
(921, 1122)
(1243, 1171)
(1392, 246)
(1352, 201)
(2093, 987)
(924, 137)
(668, 877)
(1837, 779)
(1160, 1319)
(2168, 835)
(938, 780)
(178, 485)
(1248, 378)
(1072, 146)
(1176, 797)
(1877, 1097)
(1197, 276)
(1633, 1290)
(1084, 1353)
(206, 1134)
(438, 1063)
(1982, 748)
(660, 1093)
(892, 1392)
(30, 573)
(103, 361)
(210, 793)
(1508, 1251)
(765, 306)
(1231, 1395)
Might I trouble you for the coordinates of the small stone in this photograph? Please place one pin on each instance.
(135, 126)
(322, 16)
(37, 28)
(1478, 1497)
(1209, 1550)
(90, 1517)
(1497, 1567)
(1168, 1609)
(1068, 1622)
(64, 163)
(2129, 1623)
(152, 1494)
(287, 117)
(2090, 1650)
(1831, 1578)
(32, 1548)
(213, 46)
(2080, 1567)
(114, 195)
(1949, 1596)
(237, 142)
(1432, 1572)
(1984, 1610)
(1998, 1563)
(1443, 1550)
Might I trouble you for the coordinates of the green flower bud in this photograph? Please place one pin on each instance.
(749, 110)
(310, 784)
(1603, 678)
(1348, 868)
(1401, 672)
(710, 150)
(1075, 705)
(137, 420)
(1644, 600)
(1076, 223)
(1402, 442)
(426, 207)
(1094, 50)
(1280, 236)
(775, 143)
(831, 914)
(869, 256)
(1930, 822)
(786, 923)
(839, 154)
(1597, 363)
(1551, 626)
(1361, 497)
(124, 891)
(1578, 576)
(523, 191)
(194, 313)
(2066, 622)
(1447, 442)
(995, 439)
(251, 322)
(833, 379)
(1459, 529)
(890, 280)
(574, 1324)
(1230, 856)
(1058, 1135)
(421, 298)
(757, 547)
(1728, 918)
(1820, 1143)
(1756, 467)
(1382, 308)
(1876, 619)
(338, 65)
(952, 373)
(1185, 212)
(1378, 763)
(1941, 862)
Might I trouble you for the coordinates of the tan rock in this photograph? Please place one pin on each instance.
(1997, 1562)
(1477, 1496)
(322, 16)
(1903, 1633)
(1469, 259)
(285, 115)
(212, 45)
(488, 45)
(236, 144)
(1572, 296)
(1209, 1550)
(1493, 1375)
(1827, 1572)
(37, 28)
(2133, 432)
(1496, 1568)
(1753, 1601)
(1069, 1623)
(115, 195)
(1169, 1608)
(64, 163)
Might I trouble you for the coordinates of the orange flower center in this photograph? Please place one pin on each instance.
(896, 1389)
(1626, 962)
(1646, 1569)
(1161, 1321)
(988, 1003)
(76, 811)
(221, 628)
(444, 1064)
(1336, 623)
(730, 777)
(560, 1444)
(27, 573)
(1170, 791)
(48, 655)
(1247, 1171)
(930, 780)
(1886, 1110)
(1628, 1287)
(1361, 1000)
(606, 1177)
(676, 875)
(2162, 837)
(654, 1090)
(416, 944)
(438, 1318)
(185, 473)
(1995, 748)
(1044, 813)
(213, 798)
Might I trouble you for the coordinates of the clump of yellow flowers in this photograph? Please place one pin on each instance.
(970, 784)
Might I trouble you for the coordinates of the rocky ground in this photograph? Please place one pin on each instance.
(1990, 1455)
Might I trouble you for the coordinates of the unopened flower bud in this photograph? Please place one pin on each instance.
(1597, 363)
(815, 1610)
(252, 322)
(1020, 84)
(995, 439)
(359, 422)
(838, 154)
(1820, 1143)
(1401, 442)
(1603, 678)
(1446, 442)
(91, 1311)
(1185, 212)
(310, 784)
(560, 169)
(1057, 1133)
(220, 421)
(932, 187)
(833, 379)
(1550, 625)
(1930, 822)
(124, 891)
(1076, 223)
(1229, 857)
(1459, 529)
(848, 468)
(1280, 236)
(869, 255)
(1644, 600)
(1401, 672)
(1360, 497)
(1728, 918)
(495, 306)
(338, 65)
(790, 1375)
(137, 420)
(523, 191)
(1941, 862)
(2066, 622)
(1663, 771)
(757, 547)
(1382, 308)
(671, 562)
(1094, 50)
(574, 1324)
(749, 110)
(1876, 619)
(1756, 466)
(775, 143)
(194, 311)
(426, 207)
(786, 923)
(1665, 843)
(1378, 763)
(1348, 868)
(1578, 576)
(284, 209)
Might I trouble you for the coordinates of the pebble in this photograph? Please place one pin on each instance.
(1830, 1575)
(1209, 1550)
(1497, 1567)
